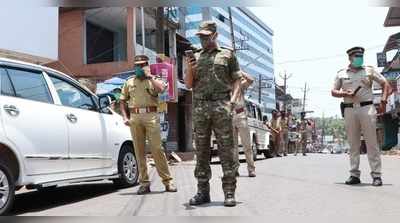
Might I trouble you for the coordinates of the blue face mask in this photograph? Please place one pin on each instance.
(139, 72)
(357, 62)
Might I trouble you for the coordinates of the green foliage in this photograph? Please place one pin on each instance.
(332, 126)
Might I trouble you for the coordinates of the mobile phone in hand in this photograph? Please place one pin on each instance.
(190, 54)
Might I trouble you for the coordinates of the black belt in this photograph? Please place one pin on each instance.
(362, 104)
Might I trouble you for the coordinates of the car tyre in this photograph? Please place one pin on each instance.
(127, 168)
(7, 189)
(254, 150)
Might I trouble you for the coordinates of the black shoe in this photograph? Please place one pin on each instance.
(252, 173)
(200, 198)
(377, 182)
(353, 180)
(237, 174)
(171, 188)
(278, 155)
(284, 154)
(304, 154)
(230, 199)
(143, 190)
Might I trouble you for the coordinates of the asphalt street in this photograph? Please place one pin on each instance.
(292, 186)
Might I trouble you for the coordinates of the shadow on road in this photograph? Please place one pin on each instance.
(217, 161)
(152, 192)
(361, 185)
(35, 201)
(211, 204)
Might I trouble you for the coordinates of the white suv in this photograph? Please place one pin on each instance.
(53, 131)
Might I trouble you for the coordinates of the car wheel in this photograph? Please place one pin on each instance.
(7, 189)
(127, 168)
(254, 150)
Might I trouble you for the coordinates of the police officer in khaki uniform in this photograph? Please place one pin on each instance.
(284, 133)
(141, 94)
(275, 127)
(302, 133)
(354, 85)
(240, 126)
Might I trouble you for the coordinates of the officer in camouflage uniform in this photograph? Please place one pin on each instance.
(213, 74)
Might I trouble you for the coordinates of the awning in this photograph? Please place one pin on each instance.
(392, 43)
(393, 17)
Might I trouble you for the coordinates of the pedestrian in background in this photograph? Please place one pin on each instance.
(141, 94)
(275, 127)
(213, 74)
(284, 132)
(354, 85)
(302, 133)
(241, 128)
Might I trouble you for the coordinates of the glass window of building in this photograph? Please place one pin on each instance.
(149, 28)
(105, 35)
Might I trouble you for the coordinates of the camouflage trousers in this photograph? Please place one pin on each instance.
(214, 116)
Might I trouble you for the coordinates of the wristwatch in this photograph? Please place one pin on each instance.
(384, 101)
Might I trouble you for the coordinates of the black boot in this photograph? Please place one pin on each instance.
(143, 190)
(230, 199)
(377, 182)
(353, 180)
(200, 198)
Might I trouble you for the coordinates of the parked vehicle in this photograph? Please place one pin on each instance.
(53, 131)
(259, 133)
(337, 149)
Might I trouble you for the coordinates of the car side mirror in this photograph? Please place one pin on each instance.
(104, 101)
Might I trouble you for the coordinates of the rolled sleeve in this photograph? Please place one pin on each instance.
(124, 93)
(377, 77)
(337, 83)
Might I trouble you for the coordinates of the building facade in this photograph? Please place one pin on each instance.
(252, 44)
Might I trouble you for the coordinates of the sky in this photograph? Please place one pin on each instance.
(310, 44)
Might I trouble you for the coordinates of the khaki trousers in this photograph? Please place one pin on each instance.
(284, 141)
(363, 120)
(241, 128)
(148, 126)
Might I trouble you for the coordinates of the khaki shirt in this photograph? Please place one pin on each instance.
(275, 124)
(139, 93)
(347, 80)
(216, 72)
(284, 123)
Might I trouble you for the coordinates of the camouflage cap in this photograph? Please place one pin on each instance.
(140, 59)
(207, 28)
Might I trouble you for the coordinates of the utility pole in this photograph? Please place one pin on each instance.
(323, 130)
(160, 39)
(285, 78)
(304, 97)
(232, 31)
(259, 88)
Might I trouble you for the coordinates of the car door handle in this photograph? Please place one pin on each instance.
(11, 110)
(72, 118)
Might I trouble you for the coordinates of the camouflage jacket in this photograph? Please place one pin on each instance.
(215, 74)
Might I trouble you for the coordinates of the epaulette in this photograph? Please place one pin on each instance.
(227, 48)
(341, 70)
